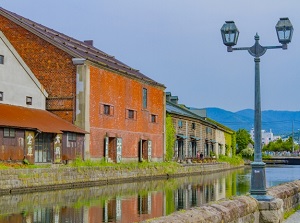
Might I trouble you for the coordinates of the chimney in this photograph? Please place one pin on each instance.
(174, 99)
(168, 95)
(89, 42)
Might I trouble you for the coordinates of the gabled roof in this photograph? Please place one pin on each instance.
(35, 119)
(176, 109)
(172, 108)
(75, 47)
(23, 64)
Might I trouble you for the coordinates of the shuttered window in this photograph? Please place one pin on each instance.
(106, 109)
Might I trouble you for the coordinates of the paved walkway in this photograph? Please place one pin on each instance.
(294, 218)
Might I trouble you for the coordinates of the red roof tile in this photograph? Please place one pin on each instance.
(36, 119)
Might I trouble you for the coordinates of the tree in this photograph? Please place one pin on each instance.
(243, 139)
(280, 145)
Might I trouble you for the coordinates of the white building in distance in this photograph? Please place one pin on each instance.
(266, 137)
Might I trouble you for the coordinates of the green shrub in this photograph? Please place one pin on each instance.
(234, 160)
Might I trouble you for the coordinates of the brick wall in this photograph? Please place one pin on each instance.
(52, 66)
(122, 94)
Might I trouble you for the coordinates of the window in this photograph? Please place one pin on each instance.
(9, 133)
(208, 130)
(1, 59)
(1, 96)
(131, 114)
(71, 136)
(193, 126)
(153, 118)
(179, 124)
(145, 95)
(106, 109)
(28, 100)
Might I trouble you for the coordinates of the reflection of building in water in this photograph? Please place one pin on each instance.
(112, 210)
(121, 204)
(144, 204)
(128, 209)
(195, 195)
(53, 215)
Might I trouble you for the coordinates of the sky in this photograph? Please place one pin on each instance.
(178, 43)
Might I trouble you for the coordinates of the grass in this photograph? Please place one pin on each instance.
(168, 166)
(6, 166)
(234, 160)
(290, 212)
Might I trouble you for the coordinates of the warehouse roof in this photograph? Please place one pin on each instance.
(36, 119)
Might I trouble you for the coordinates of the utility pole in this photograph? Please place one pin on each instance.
(293, 135)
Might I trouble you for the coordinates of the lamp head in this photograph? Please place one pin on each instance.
(230, 33)
(284, 29)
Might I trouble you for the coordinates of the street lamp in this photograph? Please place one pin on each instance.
(230, 34)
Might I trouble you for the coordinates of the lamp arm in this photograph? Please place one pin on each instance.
(283, 46)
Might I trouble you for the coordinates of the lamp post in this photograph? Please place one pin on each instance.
(230, 34)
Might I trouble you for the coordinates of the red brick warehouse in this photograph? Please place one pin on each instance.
(122, 109)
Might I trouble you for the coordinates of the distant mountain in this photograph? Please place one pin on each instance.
(280, 122)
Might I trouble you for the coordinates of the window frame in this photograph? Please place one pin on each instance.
(180, 123)
(71, 136)
(153, 118)
(11, 133)
(131, 114)
(145, 98)
(106, 109)
(193, 125)
(1, 59)
(28, 100)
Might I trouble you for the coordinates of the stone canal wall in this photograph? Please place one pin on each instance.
(243, 208)
(239, 209)
(289, 193)
(59, 177)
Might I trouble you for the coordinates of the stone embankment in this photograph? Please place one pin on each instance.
(242, 209)
(58, 177)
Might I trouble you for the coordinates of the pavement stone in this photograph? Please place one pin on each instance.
(294, 218)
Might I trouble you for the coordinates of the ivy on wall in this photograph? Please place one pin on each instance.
(230, 141)
(170, 138)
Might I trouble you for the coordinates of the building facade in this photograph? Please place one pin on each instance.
(27, 130)
(266, 137)
(121, 108)
(194, 134)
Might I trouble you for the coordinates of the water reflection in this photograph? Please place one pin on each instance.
(130, 202)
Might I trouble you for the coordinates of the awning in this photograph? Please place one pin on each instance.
(181, 136)
(210, 140)
(36, 119)
(195, 138)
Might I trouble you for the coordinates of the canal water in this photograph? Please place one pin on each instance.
(133, 202)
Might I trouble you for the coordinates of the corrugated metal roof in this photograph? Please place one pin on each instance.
(75, 47)
(36, 119)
